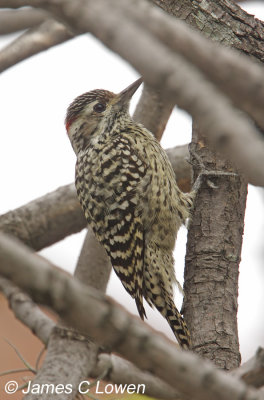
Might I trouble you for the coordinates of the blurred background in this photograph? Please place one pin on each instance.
(36, 158)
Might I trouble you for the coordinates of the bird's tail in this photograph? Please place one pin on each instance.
(157, 295)
(177, 324)
(140, 307)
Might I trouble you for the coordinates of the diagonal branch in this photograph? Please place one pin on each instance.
(13, 21)
(234, 73)
(46, 220)
(114, 327)
(120, 371)
(33, 41)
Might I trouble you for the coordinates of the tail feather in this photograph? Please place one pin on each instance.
(177, 325)
(156, 294)
(140, 307)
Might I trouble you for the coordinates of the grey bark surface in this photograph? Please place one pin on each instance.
(222, 21)
(212, 261)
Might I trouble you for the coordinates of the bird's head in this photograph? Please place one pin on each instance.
(93, 112)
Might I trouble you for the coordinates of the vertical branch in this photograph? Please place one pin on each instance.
(153, 111)
(93, 267)
(212, 261)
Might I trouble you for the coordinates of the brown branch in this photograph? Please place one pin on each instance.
(13, 21)
(33, 41)
(46, 220)
(114, 327)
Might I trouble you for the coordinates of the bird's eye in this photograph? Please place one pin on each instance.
(99, 107)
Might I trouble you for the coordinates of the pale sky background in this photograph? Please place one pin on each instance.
(36, 158)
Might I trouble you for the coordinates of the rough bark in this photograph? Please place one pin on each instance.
(222, 21)
(212, 261)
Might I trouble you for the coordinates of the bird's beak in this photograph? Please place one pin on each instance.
(126, 94)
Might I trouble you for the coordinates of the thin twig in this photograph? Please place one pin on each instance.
(27, 365)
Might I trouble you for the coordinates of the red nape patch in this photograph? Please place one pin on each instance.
(68, 124)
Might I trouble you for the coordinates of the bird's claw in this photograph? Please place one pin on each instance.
(204, 172)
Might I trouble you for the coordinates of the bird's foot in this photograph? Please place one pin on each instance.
(207, 174)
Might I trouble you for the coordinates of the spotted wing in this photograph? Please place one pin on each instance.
(114, 213)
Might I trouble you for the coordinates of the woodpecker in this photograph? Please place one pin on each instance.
(128, 192)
